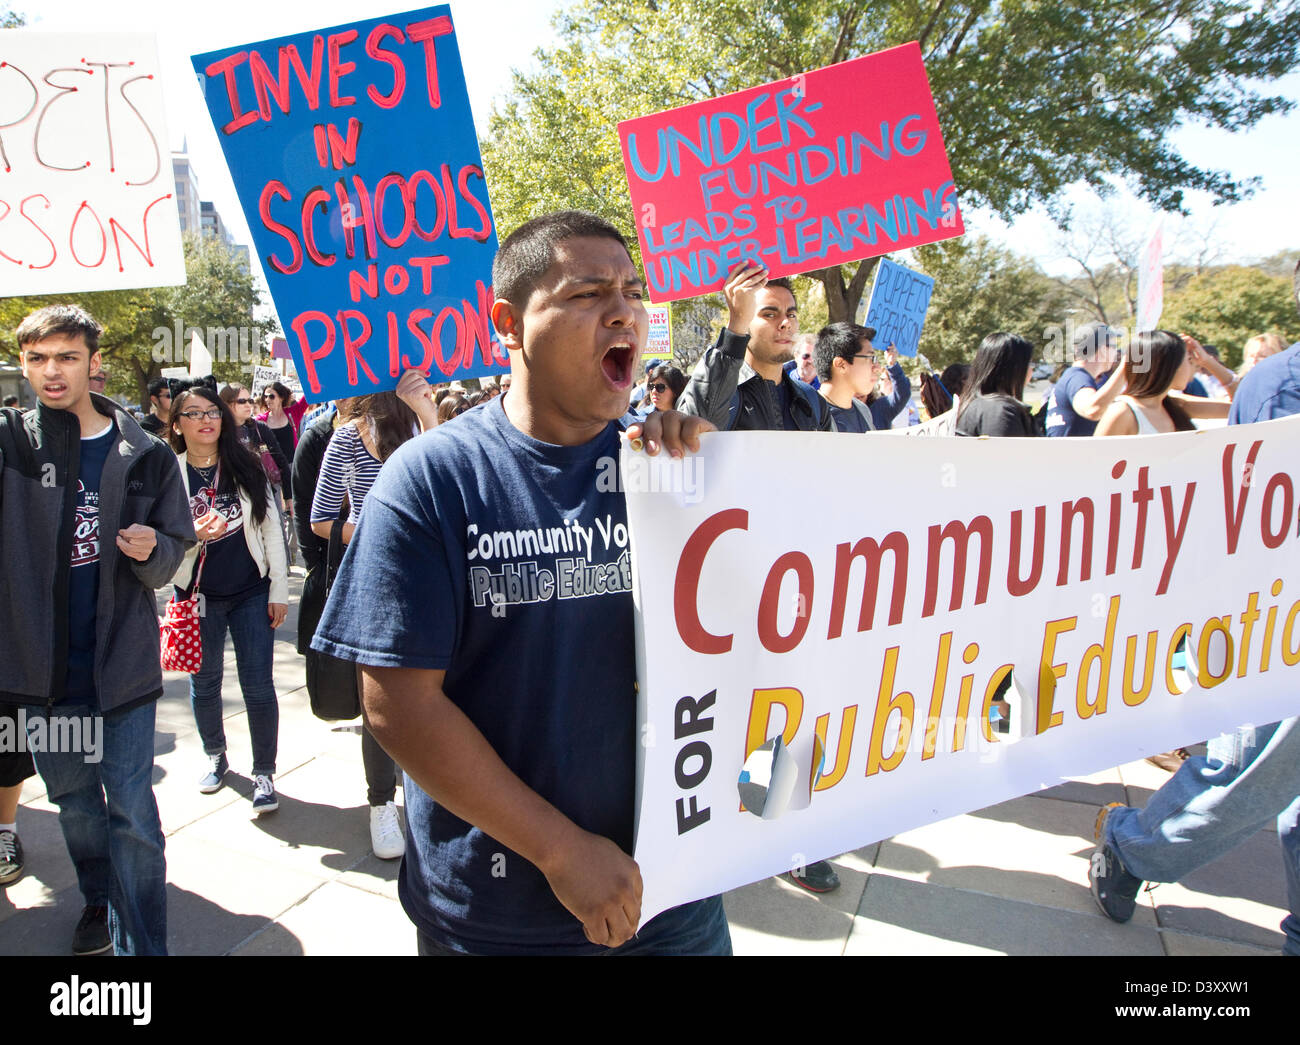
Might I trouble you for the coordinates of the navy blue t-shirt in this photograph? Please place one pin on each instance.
(83, 580)
(1061, 418)
(229, 571)
(848, 419)
(504, 562)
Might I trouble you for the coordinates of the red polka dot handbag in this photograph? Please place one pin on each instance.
(180, 638)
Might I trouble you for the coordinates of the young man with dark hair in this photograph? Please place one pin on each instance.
(160, 408)
(845, 360)
(487, 597)
(1087, 388)
(740, 384)
(94, 519)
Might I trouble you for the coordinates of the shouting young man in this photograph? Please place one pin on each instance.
(94, 519)
(487, 596)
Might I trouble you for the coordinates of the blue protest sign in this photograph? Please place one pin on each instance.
(355, 158)
(896, 308)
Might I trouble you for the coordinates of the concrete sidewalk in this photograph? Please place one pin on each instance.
(1009, 879)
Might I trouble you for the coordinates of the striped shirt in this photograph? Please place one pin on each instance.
(347, 470)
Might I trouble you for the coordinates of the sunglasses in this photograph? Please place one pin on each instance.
(243, 402)
(198, 415)
(659, 387)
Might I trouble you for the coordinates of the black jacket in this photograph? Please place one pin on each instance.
(40, 453)
(727, 391)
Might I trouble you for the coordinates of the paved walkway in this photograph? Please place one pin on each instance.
(1010, 879)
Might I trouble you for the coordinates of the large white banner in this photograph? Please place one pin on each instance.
(824, 621)
(87, 198)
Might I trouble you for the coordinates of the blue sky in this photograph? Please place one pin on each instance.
(496, 35)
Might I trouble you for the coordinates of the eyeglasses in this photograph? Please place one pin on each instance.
(243, 402)
(870, 357)
(99, 378)
(805, 358)
(198, 415)
(659, 387)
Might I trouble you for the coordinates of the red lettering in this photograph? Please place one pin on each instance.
(1281, 482)
(72, 232)
(322, 154)
(448, 365)
(412, 183)
(376, 37)
(338, 70)
(146, 253)
(768, 604)
(393, 370)
(408, 213)
(1234, 508)
(22, 209)
(8, 209)
(396, 280)
(485, 229)
(310, 84)
(265, 85)
(427, 32)
(342, 152)
(226, 67)
(478, 321)
(317, 197)
(367, 216)
(413, 322)
(274, 187)
(425, 265)
(960, 535)
(687, 582)
(309, 357)
(351, 344)
(369, 283)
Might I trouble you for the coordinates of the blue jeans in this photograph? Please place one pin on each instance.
(110, 825)
(699, 928)
(254, 638)
(1213, 804)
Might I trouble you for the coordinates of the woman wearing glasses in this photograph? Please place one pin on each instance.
(240, 568)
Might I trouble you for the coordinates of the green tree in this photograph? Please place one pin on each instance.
(220, 300)
(1228, 306)
(1032, 95)
(10, 19)
(980, 287)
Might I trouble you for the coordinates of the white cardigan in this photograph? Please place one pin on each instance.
(265, 544)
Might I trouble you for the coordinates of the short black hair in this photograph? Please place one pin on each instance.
(1090, 338)
(784, 283)
(529, 251)
(158, 386)
(838, 341)
(59, 320)
(11, 400)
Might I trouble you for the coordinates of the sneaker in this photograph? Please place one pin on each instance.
(818, 877)
(215, 778)
(11, 858)
(386, 836)
(1114, 889)
(264, 800)
(91, 935)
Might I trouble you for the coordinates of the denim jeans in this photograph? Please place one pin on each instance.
(110, 825)
(699, 928)
(1212, 804)
(254, 638)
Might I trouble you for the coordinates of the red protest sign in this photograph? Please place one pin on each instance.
(830, 166)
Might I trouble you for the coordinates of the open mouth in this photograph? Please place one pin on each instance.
(617, 364)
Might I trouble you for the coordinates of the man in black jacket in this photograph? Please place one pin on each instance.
(78, 627)
(740, 383)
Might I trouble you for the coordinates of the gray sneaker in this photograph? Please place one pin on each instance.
(11, 858)
(214, 779)
(1113, 888)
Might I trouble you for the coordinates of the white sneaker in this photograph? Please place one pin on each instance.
(386, 836)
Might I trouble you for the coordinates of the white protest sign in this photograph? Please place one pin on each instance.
(1151, 281)
(87, 199)
(263, 376)
(877, 630)
(659, 341)
(200, 357)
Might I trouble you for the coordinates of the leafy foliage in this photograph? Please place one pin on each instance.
(1032, 95)
(1228, 306)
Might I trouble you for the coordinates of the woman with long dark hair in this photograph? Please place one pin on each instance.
(991, 403)
(369, 429)
(663, 387)
(240, 568)
(1156, 364)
